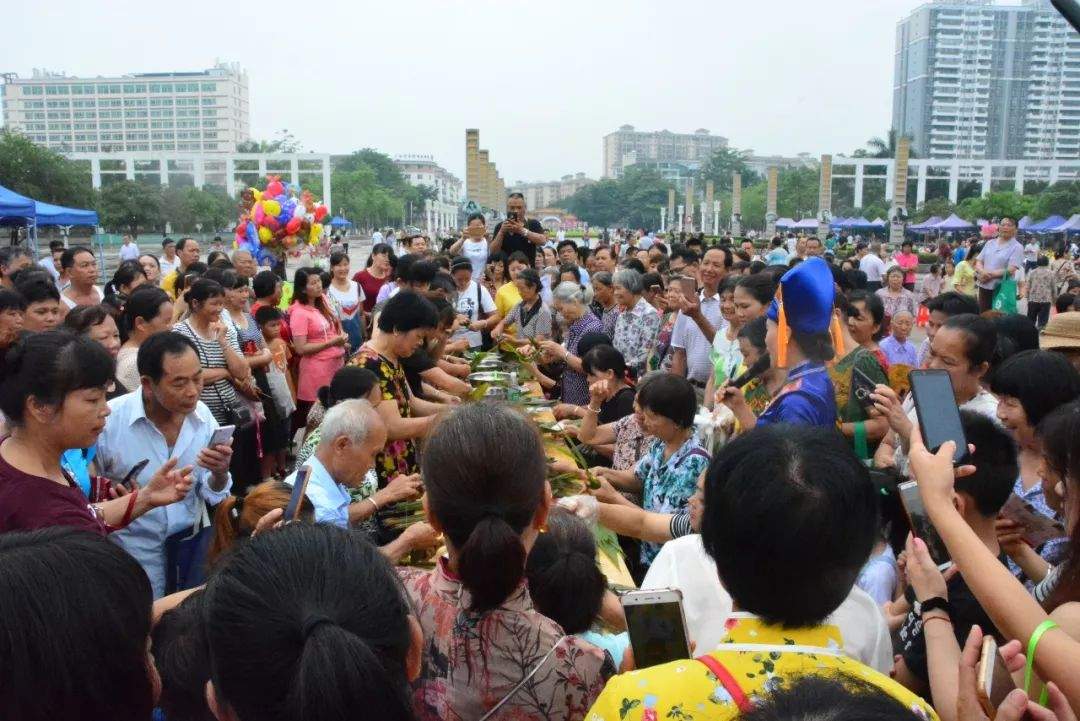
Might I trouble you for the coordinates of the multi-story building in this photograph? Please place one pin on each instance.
(977, 80)
(442, 211)
(483, 183)
(544, 195)
(203, 111)
(676, 155)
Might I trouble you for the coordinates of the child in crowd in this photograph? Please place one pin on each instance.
(269, 319)
(896, 346)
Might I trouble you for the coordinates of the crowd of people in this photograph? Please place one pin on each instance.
(154, 429)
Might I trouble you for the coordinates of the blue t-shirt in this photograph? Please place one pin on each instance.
(76, 461)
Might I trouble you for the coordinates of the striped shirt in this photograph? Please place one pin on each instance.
(220, 395)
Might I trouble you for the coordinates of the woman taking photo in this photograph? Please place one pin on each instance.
(855, 420)
(895, 297)
(317, 339)
(571, 304)
(496, 274)
(488, 653)
(380, 265)
(308, 623)
(349, 297)
(865, 319)
(404, 322)
(638, 324)
(53, 399)
(149, 310)
(529, 319)
(473, 244)
(797, 336)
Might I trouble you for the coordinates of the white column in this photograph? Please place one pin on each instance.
(890, 175)
(954, 183)
(681, 209)
(129, 168)
(986, 177)
(920, 187)
(663, 219)
(326, 182)
(1018, 183)
(95, 172)
(294, 171)
(859, 169)
(262, 170)
(1054, 173)
(163, 170)
(198, 170)
(230, 177)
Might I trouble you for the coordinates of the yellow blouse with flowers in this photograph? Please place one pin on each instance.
(760, 657)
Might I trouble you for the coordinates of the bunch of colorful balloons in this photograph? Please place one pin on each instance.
(279, 219)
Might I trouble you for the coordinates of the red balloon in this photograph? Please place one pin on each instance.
(271, 222)
(292, 226)
(274, 189)
(320, 212)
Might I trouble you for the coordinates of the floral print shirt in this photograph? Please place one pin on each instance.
(666, 486)
(630, 442)
(472, 661)
(398, 457)
(575, 387)
(659, 357)
(760, 657)
(635, 334)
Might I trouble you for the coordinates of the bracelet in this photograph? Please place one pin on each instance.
(946, 619)
(590, 408)
(371, 499)
(130, 508)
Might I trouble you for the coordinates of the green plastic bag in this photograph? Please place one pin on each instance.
(1005, 295)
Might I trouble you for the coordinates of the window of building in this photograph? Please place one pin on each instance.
(209, 87)
(56, 89)
(33, 90)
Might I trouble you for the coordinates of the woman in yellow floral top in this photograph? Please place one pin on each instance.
(796, 501)
(404, 321)
(487, 650)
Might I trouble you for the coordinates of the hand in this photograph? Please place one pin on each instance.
(421, 535)
(690, 307)
(606, 493)
(168, 485)
(922, 572)
(600, 392)
(1010, 535)
(888, 404)
(476, 326)
(566, 410)
(584, 507)
(272, 519)
(217, 331)
(552, 349)
(402, 488)
(216, 459)
(933, 471)
(733, 398)
(342, 339)
(118, 490)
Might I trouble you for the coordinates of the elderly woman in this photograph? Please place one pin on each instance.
(571, 303)
(531, 319)
(604, 306)
(895, 296)
(638, 323)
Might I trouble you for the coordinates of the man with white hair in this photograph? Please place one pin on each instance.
(351, 434)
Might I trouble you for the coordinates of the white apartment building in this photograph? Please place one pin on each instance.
(201, 112)
(442, 212)
(676, 155)
(973, 79)
(545, 194)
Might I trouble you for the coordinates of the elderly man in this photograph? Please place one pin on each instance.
(244, 263)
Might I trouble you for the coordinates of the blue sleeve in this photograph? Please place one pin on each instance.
(793, 407)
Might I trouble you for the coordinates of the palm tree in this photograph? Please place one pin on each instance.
(878, 148)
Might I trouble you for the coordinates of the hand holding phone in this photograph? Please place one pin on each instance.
(939, 416)
(657, 626)
(993, 680)
(861, 387)
(921, 527)
(222, 436)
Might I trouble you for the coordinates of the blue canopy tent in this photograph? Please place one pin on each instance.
(1024, 223)
(49, 214)
(878, 223)
(860, 223)
(926, 225)
(1072, 225)
(806, 224)
(785, 223)
(839, 223)
(1046, 226)
(954, 223)
(338, 222)
(13, 205)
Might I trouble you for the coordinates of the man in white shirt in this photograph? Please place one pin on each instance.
(168, 260)
(1031, 253)
(163, 420)
(699, 320)
(129, 250)
(51, 262)
(870, 262)
(376, 237)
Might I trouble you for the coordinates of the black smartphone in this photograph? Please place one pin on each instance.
(921, 527)
(512, 215)
(861, 387)
(130, 481)
(292, 511)
(657, 627)
(939, 416)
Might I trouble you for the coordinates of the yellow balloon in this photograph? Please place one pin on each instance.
(271, 207)
(257, 193)
(316, 232)
(265, 234)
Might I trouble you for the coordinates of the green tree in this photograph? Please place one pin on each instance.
(940, 207)
(130, 206)
(387, 173)
(797, 192)
(882, 147)
(368, 203)
(721, 165)
(995, 205)
(41, 174)
(634, 200)
(284, 142)
(1061, 198)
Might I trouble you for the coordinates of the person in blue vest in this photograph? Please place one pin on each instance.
(800, 337)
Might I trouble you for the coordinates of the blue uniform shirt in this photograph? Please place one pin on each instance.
(806, 398)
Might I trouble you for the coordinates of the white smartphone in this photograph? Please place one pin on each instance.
(222, 436)
(657, 626)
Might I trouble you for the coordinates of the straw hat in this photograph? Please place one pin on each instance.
(1062, 331)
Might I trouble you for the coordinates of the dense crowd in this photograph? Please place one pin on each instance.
(715, 391)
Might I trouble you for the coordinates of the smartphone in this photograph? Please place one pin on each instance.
(687, 286)
(1038, 529)
(130, 478)
(512, 215)
(292, 511)
(921, 527)
(222, 436)
(861, 387)
(939, 417)
(657, 626)
(993, 680)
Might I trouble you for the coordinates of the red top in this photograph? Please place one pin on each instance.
(31, 502)
(371, 286)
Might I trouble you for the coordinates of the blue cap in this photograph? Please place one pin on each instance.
(807, 293)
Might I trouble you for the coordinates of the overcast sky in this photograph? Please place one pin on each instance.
(543, 80)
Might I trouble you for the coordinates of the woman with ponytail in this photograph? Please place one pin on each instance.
(235, 518)
(489, 654)
(308, 623)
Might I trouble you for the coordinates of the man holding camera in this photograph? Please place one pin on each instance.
(518, 233)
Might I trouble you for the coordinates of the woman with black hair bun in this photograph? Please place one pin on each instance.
(149, 310)
(488, 652)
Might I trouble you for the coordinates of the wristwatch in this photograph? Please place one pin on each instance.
(930, 604)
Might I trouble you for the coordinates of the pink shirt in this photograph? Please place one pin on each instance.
(908, 262)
